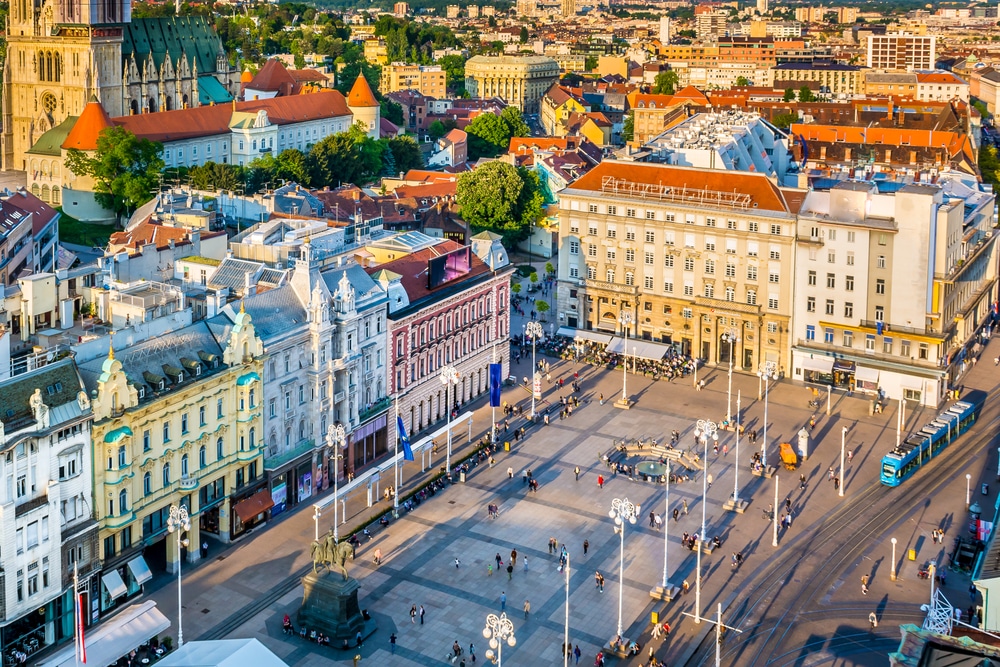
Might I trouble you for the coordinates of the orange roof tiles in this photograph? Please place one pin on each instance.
(361, 94)
(211, 120)
(763, 193)
(88, 126)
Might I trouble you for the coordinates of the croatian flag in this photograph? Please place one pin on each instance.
(82, 646)
(403, 439)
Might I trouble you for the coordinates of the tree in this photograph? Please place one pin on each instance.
(533, 278)
(514, 123)
(590, 63)
(346, 157)
(783, 121)
(549, 269)
(392, 112)
(487, 136)
(524, 35)
(542, 307)
(665, 83)
(628, 127)
(742, 81)
(436, 130)
(988, 164)
(406, 154)
(125, 169)
(454, 70)
(515, 288)
(214, 176)
(806, 95)
(789, 95)
(501, 198)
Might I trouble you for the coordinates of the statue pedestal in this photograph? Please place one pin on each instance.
(330, 606)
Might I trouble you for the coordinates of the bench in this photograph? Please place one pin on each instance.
(666, 452)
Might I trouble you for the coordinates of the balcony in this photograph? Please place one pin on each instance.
(189, 483)
(891, 329)
(41, 500)
(376, 407)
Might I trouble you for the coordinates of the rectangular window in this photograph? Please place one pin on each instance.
(828, 336)
(710, 222)
(610, 254)
(811, 304)
(709, 290)
(811, 278)
(730, 224)
(668, 287)
(829, 306)
(668, 238)
(591, 250)
(752, 297)
(848, 309)
(904, 348)
(650, 215)
(649, 258)
(751, 248)
(574, 247)
(710, 267)
(887, 345)
(689, 240)
(751, 272)
(850, 237)
(730, 270)
(629, 213)
(810, 332)
(850, 258)
(753, 226)
(772, 277)
(923, 352)
(648, 282)
(772, 301)
(879, 313)
(880, 286)
(592, 230)
(592, 208)
(710, 243)
(650, 236)
(831, 234)
(831, 256)
(775, 253)
(848, 338)
(880, 262)
(630, 232)
(166, 432)
(689, 264)
(612, 210)
(629, 255)
(883, 239)
(731, 246)
(687, 313)
(146, 441)
(688, 289)
(849, 283)
(668, 261)
(870, 343)
(201, 416)
(669, 217)
(218, 409)
(776, 230)
(831, 281)
(184, 423)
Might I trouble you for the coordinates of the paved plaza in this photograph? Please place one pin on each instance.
(245, 589)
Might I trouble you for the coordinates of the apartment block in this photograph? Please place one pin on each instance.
(428, 80)
(902, 51)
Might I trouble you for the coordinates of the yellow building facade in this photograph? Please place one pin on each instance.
(178, 423)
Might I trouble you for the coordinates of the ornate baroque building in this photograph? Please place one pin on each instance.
(519, 80)
(61, 54)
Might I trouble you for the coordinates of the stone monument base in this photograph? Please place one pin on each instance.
(330, 605)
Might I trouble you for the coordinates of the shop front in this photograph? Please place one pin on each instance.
(211, 495)
(369, 443)
(122, 581)
(291, 478)
(115, 638)
(250, 509)
(817, 369)
(50, 624)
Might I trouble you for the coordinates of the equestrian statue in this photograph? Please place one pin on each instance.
(328, 553)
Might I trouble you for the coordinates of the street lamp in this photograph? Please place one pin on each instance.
(705, 430)
(843, 440)
(622, 511)
(179, 520)
(774, 514)
(450, 378)
(625, 319)
(566, 651)
(731, 336)
(498, 630)
(968, 490)
(336, 436)
(534, 331)
(316, 515)
(892, 570)
(768, 371)
(666, 530)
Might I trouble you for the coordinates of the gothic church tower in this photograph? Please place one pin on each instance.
(59, 54)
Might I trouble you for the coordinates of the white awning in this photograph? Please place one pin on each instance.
(864, 374)
(616, 346)
(113, 582)
(645, 349)
(818, 364)
(140, 570)
(115, 637)
(583, 334)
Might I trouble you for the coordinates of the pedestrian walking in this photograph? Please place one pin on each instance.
(503, 601)
(577, 472)
(489, 570)
(850, 455)
(656, 631)
(710, 481)
(204, 550)
(600, 481)
(684, 507)
(864, 584)
(413, 614)
(378, 557)
(472, 651)
(830, 474)
(836, 483)
(586, 545)
(676, 515)
(510, 571)
(456, 563)
(802, 481)
(510, 472)
(873, 620)
(525, 563)
(527, 609)
(597, 580)
(513, 556)
(652, 518)
(577, 653)
(725, 450)
(392, 643)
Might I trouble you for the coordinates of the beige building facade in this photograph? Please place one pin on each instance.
(519, 80)
(693, 256)
(428, 80)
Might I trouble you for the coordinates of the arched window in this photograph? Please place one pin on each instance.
(166, 475)
(219, 453)
(253, 397)
(243, 444)
(253, 438)
(202, 457)
(123, 501)
(134, 106)
(170, 103)
(57, 66)
(184, 465)
(147, 484)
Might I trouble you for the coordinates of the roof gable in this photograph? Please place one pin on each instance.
(361, 94)
(88, 127)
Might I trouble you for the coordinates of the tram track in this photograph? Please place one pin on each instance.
(838, 540)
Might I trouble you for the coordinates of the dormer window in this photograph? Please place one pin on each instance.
(162, 386)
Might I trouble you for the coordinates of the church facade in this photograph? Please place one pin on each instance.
(62, 53)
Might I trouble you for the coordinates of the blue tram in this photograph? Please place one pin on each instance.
(922, 446)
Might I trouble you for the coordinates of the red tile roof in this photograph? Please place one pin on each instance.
(273, 77)
(212, 120)
(147, 232)
(42, 212)
(763, 193)
(429, 176)
(361, 94)
(413, 269)
(88, 126)
(428, 190)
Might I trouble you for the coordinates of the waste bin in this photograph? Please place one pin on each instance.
(654, 618)
(506, 445)
(461, 477)
(911, 554)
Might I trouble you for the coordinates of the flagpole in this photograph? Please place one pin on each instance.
(395, 458)
(77, 624)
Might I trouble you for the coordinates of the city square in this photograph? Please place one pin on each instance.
(436, 557)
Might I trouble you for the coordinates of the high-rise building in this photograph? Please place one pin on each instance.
(452, 11)
(473, 11)
(664, 30)
(762, 7)
(902, 51)
(489, 10)
(428, 80)
(568, 7)
(519, 80)
(526, 8)
(401, 9)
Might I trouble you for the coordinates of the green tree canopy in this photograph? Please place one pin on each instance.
(501, 198)
(347, 157)
(125, 169)
(215, 176)
(665, 83)
(514, 122)
(783, 121)
(454, 70)
(524, 35)
(436, 130)
(392, 112)
(742, 81)
(806, 95)
(487, 136)
(789, 95)
(406, 153)
(628, 127)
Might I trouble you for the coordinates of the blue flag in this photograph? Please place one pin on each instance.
(496, 383)
(879, 327)
(403, 439)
